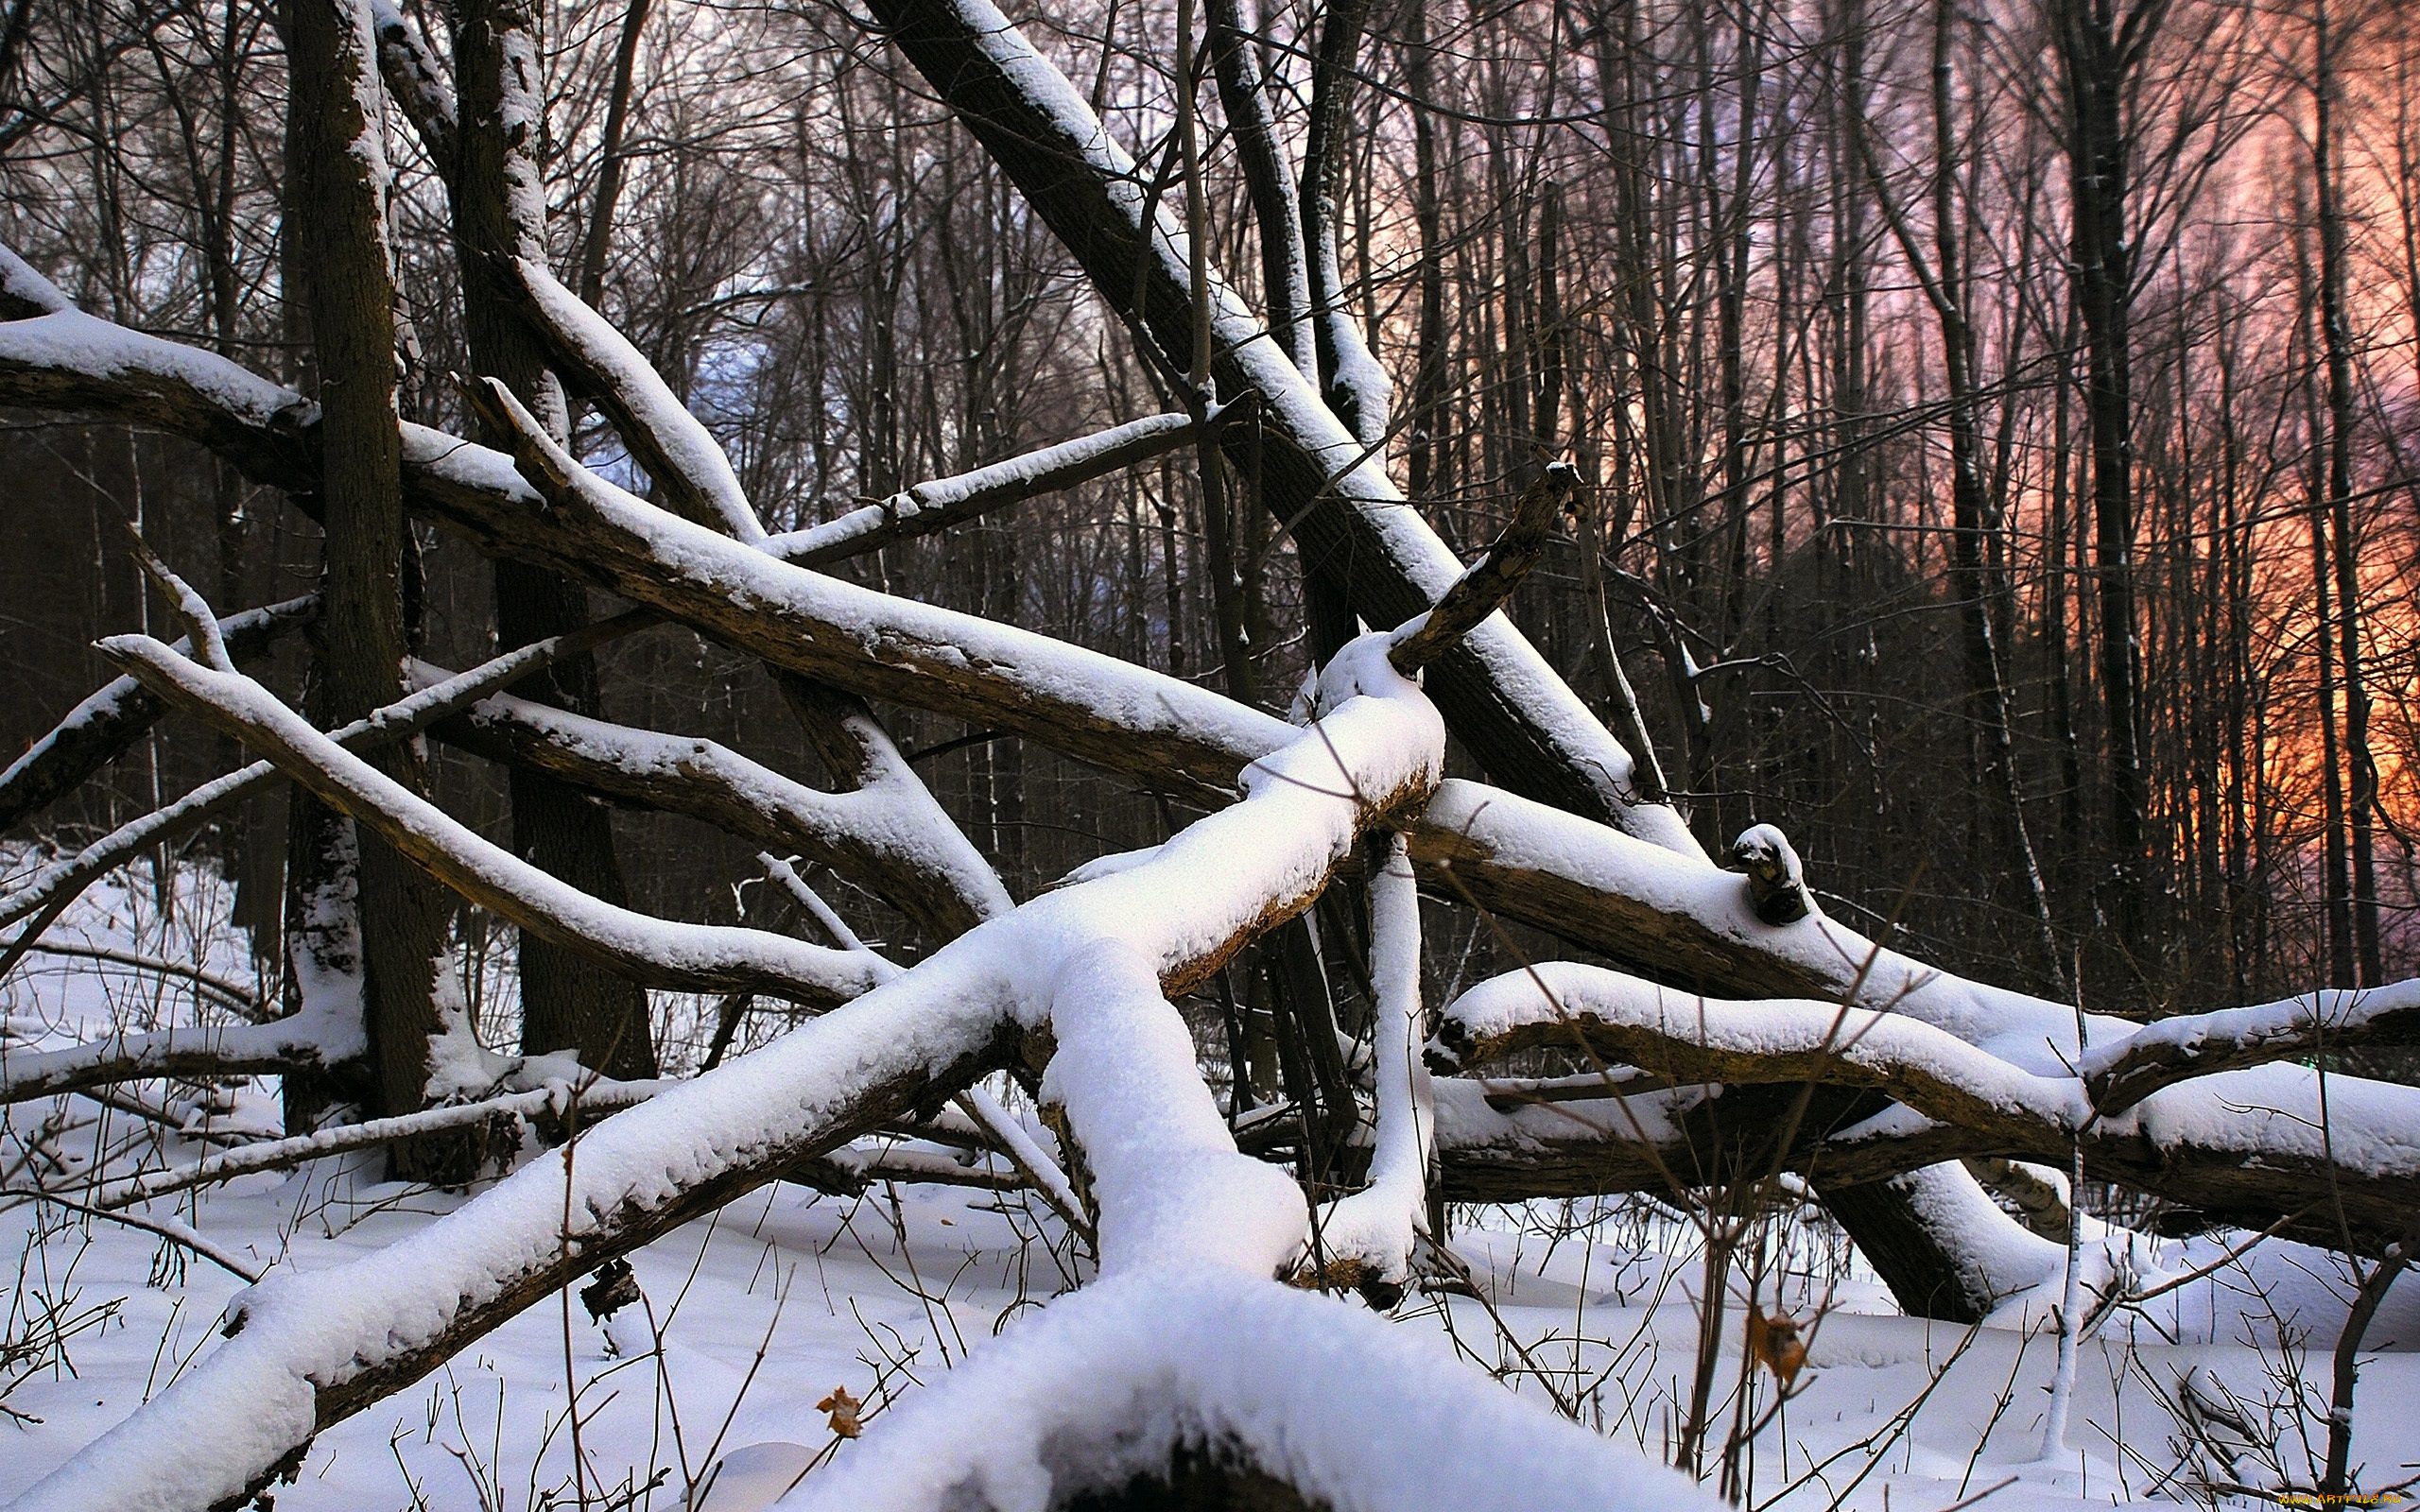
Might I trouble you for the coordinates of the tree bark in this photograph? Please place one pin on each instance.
(336, 191)
(568, 1002)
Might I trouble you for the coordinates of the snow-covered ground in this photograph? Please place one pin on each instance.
(750, 1322)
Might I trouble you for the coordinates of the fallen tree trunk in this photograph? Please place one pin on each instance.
(2259, 1148)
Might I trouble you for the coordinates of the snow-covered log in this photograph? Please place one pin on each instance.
(106, 725)
(2122, 1073)
(308, 1348)
(696, 957)
(2259, 1145)
(1242, 1392)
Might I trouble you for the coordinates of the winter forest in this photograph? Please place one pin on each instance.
(1357, 755)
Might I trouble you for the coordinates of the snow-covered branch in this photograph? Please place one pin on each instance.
(1167, 732)
(1483, 589)
(301, 1041)
(697, 957)
(674, 446)
(2122, 1073)
(2258, 1145)
(875, 835)
(418, 84)
(942, 503)
(106, 725)
(1369, 1234)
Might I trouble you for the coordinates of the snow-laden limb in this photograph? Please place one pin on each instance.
(1111, 1384)
(696, 957)
(1683, 1036)
(1094, 707)
(958, 886)
(1584, 1147)
(851, 1169)
(878, 834)
(1172, 1189)
(301, 1041)
(2259, 1145)
(1268, 175)
(69, 361)
(1349, 522)
(417, 82)
(2122, 1073)
(98, 730)
(1612, 893)
(45, 896)
(937, 505)
(310, 1347)
(678, 452)
(24, 293)
(1371, 1231)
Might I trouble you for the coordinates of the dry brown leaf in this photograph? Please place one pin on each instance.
(843, 1409)
(1773, 1339)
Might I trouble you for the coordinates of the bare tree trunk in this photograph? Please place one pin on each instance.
(2362, 797)
(335, 215)
(567, 1002)
(2099, 53)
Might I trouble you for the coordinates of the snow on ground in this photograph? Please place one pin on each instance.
(750, 1320)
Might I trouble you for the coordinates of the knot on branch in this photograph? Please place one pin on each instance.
(1776, 881)
(1483, 588)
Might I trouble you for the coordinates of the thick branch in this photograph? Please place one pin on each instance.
(108, 724)
(694, 957)
(680, 456)
(2172, 1050)
(1483, 590)
(416, 82)
(857, 833)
